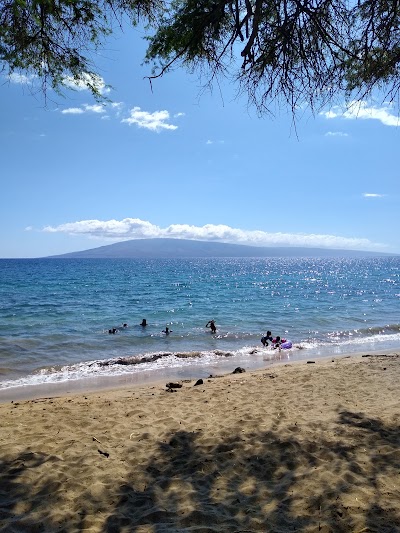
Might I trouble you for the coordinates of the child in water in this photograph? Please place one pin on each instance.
(266, 338)
(277, 343)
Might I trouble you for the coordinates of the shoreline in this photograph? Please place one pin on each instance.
(155, 376)
(291, 446)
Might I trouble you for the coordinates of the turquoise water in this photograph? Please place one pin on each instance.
(55, 314)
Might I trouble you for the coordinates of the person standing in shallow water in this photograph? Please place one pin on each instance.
(144, 323)
(266, 338)
(211, 324)
(167, 331)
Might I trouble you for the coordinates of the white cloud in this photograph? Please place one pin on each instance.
(336, 134)
(83, 83)
(361, 110)
(15, 77)
(372, 195)
(135, 228)
(117, 107)
(86, 108)
(215, 142)
(156, 121)
(73, 111)
(97, 108)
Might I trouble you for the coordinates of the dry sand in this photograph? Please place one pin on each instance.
(300, 447)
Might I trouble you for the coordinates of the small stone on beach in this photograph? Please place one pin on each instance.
(173, 385)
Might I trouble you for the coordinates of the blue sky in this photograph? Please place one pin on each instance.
(178, 161)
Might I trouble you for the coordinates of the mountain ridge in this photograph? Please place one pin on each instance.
(160, 248)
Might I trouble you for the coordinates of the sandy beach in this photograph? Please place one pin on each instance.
(310, 447)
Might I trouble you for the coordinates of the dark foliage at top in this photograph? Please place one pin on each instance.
(279, 51)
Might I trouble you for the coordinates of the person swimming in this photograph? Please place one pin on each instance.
(167, 331)
(144, 323)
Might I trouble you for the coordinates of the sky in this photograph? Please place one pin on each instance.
(173, 159)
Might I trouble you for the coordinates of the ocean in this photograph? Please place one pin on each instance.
(55, 315)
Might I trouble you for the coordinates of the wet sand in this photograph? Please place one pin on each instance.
(310, 446)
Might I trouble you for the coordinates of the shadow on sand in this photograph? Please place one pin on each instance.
(273, 481)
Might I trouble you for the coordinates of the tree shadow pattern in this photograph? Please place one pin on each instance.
(248, 483)
(271, 481)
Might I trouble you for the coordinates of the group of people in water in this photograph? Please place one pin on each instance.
(210, 324)
(276, 342)
(143, 323)
(113, 331)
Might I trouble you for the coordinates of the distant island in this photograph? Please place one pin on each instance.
(183, 248)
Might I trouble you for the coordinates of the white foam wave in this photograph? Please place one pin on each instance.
(112, 368)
